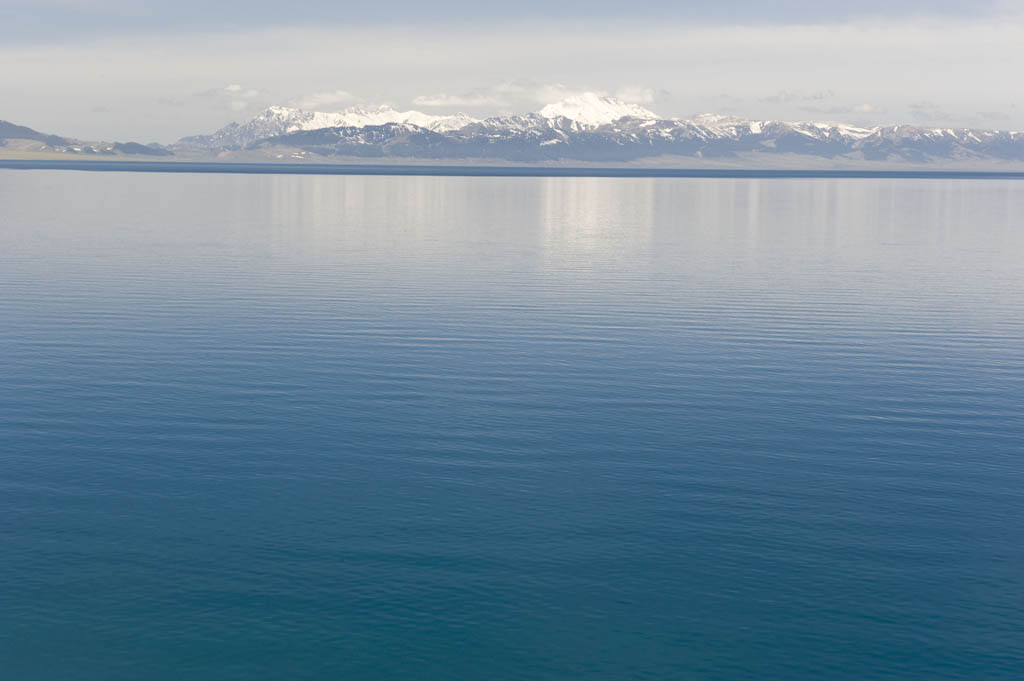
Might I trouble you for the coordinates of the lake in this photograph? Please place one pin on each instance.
(348, 427)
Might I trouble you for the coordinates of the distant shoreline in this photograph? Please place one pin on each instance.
(491, 171)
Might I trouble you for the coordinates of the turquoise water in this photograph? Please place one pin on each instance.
(265, 427)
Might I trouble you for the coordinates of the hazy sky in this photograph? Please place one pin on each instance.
(115, 69)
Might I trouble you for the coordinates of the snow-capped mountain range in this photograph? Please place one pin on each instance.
(587, 128)
(280, 120)
(588, 110)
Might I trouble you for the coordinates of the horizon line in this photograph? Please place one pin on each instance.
(200, 167)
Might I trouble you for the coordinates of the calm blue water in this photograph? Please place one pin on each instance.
(261, 427)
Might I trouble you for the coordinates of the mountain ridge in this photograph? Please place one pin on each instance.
(585, 128)
(26, 140)
(591, 128)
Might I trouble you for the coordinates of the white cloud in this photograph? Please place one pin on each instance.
(324, 100)
(237, 91)
(636, 95)
(466, 100)
(547, 94)
(233, 98)
(525, 96)
(863, 108)
(866, 108)
(928, 111)
(788, 96)
(504, 95)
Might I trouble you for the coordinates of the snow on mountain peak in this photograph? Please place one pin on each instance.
(296, 119)
(636, 129)
(591, 109)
